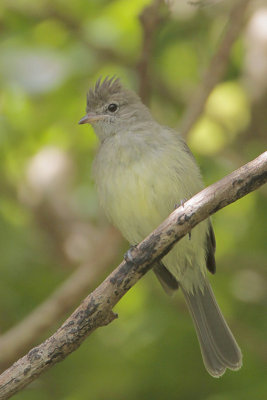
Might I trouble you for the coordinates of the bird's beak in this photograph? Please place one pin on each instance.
(89, 118)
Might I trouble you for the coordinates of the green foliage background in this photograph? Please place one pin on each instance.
(50, 53)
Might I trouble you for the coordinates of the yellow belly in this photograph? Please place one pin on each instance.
(138, 196)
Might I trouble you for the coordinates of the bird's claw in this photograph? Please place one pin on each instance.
(181, 204)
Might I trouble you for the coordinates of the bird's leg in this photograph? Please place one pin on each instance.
(181, 204)
(128, 255)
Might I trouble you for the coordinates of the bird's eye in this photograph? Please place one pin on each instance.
(112, 107)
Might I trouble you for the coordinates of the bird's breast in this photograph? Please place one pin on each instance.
(139, 185)
(132, 192)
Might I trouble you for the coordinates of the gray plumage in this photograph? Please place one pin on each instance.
(217, 343)
(142, 169)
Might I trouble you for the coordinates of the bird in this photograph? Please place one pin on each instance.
(141, 170)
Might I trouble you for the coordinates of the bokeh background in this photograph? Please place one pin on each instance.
(55, 243)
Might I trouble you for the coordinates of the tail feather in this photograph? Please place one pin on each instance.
(217, 343)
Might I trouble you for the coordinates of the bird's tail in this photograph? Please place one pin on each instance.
(217, 343)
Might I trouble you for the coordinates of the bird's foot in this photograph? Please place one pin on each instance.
(181, 204)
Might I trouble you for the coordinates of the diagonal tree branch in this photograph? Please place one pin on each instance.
(96, 309)
(20, 338)
(216, 68)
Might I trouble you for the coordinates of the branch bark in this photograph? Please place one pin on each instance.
(216, 68)
(19, 339)
(96, 309)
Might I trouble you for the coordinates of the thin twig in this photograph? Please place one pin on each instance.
(96, 309)
(216, 68)
(150, 19)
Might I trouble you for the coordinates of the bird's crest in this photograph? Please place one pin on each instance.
(102, 90)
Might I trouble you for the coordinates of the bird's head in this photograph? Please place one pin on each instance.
(111, 108)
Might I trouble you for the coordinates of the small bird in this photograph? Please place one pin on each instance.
(142, 169)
